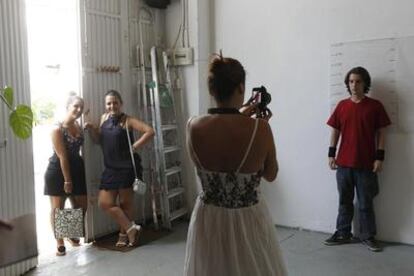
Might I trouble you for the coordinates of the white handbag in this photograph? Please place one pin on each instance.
(139, 186)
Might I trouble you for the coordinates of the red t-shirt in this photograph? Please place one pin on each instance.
(358, 124)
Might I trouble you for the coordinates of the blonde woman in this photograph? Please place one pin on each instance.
(65, 174)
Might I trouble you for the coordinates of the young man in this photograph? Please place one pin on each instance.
(360, 122)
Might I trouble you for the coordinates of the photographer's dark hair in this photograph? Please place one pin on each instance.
(361, 71)
(224, 75)
(114, 93)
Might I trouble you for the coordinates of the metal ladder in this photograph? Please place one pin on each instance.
(167, 144)
(159, 110)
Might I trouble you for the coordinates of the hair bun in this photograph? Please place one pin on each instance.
(225, 74)
(72, 93)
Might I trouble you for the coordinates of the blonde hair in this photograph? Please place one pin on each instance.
(72, 98)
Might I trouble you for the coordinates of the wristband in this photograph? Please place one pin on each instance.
(332, 152)
(67, 182)
(380, 155)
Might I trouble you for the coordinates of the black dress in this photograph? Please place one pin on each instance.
(54, 180)
(118, 173)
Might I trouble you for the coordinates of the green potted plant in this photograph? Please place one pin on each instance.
(20, 117)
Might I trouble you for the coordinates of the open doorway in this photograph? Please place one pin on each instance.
(54, 59)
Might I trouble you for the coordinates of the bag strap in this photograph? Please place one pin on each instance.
(130, 147)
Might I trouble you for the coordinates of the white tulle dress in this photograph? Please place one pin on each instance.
(231, 232)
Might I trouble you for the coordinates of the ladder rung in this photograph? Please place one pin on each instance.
(172, 170)
(171, 149)
(175, 192)
(178, 213)
(168, 127)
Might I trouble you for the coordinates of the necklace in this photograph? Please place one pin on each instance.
(223, 110)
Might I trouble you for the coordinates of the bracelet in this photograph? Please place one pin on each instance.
(332, 152)
(380, 154)
(67, 182)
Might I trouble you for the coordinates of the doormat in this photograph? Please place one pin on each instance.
(147, 236)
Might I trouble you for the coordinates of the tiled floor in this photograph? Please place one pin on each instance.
(304, 253)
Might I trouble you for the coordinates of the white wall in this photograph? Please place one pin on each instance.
(285, 46)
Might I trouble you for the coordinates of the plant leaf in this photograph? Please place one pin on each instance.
(21, 121)
(165, 97)
(151, 84)
(8, 95)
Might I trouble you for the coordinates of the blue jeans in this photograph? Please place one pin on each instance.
(366, 184)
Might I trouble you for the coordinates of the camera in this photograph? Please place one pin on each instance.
(262, 98)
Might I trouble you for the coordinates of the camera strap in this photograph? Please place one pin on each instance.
(223, 110)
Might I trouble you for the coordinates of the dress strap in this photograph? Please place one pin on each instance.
(106, 116)
(190, 144)
(249, 146)
(62, 129)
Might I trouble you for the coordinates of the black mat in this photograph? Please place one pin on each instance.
(147, 236)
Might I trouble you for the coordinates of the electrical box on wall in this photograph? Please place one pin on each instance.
(159, 4)
(181, 56)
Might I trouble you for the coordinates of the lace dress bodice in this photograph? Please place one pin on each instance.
(229, 190)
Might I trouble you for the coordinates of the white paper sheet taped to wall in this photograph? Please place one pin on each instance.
(390, 63)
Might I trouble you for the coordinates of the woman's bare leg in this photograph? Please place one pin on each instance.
(56, 202)
(107, 202)
(79, 201)
(126, 202)
(126, 199)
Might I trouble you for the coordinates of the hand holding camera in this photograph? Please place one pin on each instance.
(257, 104)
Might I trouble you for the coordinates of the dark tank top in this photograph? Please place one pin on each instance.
(72, 145)
(114, 143)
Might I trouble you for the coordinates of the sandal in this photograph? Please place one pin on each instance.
(74, 242)
(133, 233)
(122, 240)
(61, 250)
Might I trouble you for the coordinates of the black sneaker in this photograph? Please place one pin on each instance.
(338, 239)
(372, 244)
